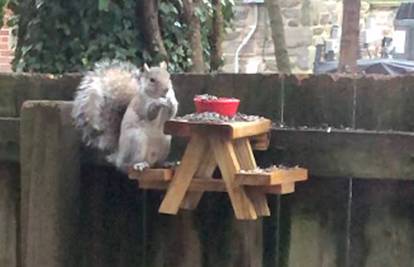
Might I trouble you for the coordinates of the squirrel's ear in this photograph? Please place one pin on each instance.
(163, 65)
(146, 68)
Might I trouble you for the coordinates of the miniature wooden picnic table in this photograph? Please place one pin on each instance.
(229, 146)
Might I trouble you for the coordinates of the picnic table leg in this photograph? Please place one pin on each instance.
(205, 170)
(178, 187)
(228, 164)
(247, 161)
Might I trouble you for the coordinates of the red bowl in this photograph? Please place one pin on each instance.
(222, 105)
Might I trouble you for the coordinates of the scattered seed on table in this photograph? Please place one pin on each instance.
(216, 117)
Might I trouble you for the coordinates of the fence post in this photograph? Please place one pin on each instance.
(50, 184)
(8, 214)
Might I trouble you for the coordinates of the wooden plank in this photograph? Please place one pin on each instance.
(113, 214)
(259, 94)
(193, 155)
(380, 207)
(208, 184)
(384, 104)
(260, 142)
(9, 139)
(313, 225)
(345, 153)
(247, 129)
(197, 184)
(9, 203)
(246, 160)
(206, 169)
(50, 185)
(177, 128)
(10, 142)
(186, 86)
(318, 100)
(229, 166)
(164, 174)
(178, 243)
(8, 105)
(204, 184)
(323, 154)
(304, 147)
(233, 130)
(277, 176)
(281, 189)
(244, 154)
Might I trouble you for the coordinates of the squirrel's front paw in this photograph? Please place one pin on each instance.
(168, 106)
(141, 166)
(163, 101)
(153, 111)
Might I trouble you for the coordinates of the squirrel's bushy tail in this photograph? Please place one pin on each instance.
(97, 108)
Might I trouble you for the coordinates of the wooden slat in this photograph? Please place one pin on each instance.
(229, 166)
(203, 184)
(206, 169)
(208, 184)
(50, 191)
(244, 154)
(277, 176)
(260, 142)
(193, 155)
(9, 139)
(230, 130)
(177, 128)
(347, 153)
(278, 189)
(9, 190)
(323, 154)
(164, 174)
(247, 161)
(9, 143)
(247, 129)
(197, 185)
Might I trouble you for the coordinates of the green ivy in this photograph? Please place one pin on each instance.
(3, 3)
(70, 36)
(174, 31)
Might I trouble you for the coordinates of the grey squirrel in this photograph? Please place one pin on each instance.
(121, 110)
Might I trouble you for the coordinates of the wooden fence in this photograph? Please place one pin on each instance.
(61, 206)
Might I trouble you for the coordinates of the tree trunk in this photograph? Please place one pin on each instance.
(216, 36)
(278, 36)
(350, 36)
(194, 35)
(148, 11)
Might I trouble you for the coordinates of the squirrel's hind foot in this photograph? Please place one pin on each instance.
(141, 166)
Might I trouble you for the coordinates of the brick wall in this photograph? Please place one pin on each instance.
(6, 46)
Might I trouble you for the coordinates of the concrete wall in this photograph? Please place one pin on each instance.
(61, 207)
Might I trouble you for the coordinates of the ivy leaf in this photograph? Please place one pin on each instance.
(103, 5)
(39, 3)
(26, 49)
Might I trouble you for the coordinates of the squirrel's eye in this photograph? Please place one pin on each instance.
(152, 80)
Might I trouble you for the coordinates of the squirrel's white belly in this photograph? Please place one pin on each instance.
(158, 146)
